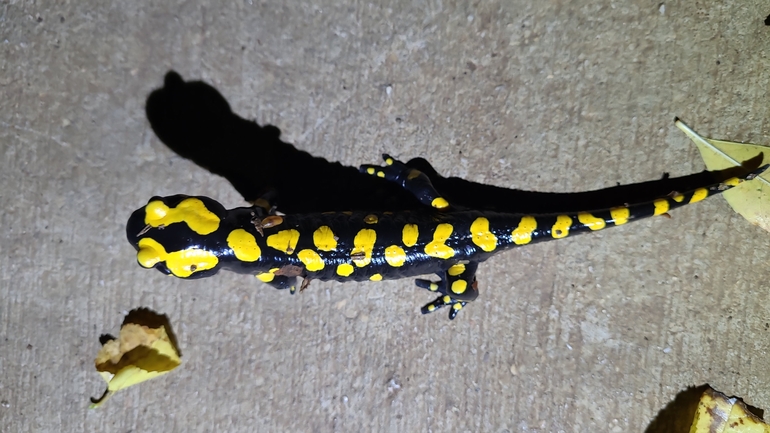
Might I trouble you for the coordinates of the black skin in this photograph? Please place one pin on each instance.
(194, 120)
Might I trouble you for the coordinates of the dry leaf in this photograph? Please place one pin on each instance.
(750, 199)
(717, 413)
(140, 353)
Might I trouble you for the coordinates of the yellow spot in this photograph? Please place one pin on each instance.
(413, 174)
(733, 181)
(439, 203)
(591, 221)
(344, 270)
(459, 287)
(409, 235)
(190, 210)
(482, 237)
(523, 233)
(678, 198)
(395, 256)
(699, 195)
(371, 219)
(389, 161)
(661, 206)
(324, 239)
(244, 245)
(375, 277)
(266, 277)
(313, 262)
(561, 227)
(457, 306)
(285, 240)
(370, 170)
(181, 263)
(456, 270)
(264, 204)
(447, 299)
(431, 308)
(620, 215)
(437, 248)
(433, 287)
(380, 174)
(363, 244)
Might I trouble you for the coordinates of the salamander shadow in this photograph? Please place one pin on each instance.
(195, 121)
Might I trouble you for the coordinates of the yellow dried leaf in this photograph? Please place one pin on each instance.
(718, 413)
(750, 199)
(140, 353)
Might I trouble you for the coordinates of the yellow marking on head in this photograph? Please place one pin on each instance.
(482, 237)
(395, 256)
(375, 277)
(433, 287)
(324, 239)
(733, 181)
(190, 210)
(678, 198)
(457, 306)
(522, 235)
(591, 221)
(345, 269)
(699, 194)
(459, 287)
(437, 248)
(381, 174)
(409, 235)
(439, 203)
(272, 221)
(661, 206)
(371, 219)
(370, 170)
(389, 161)
(363, 244)
(285, 240)
(620, 215)
(561, 227)
(181, 263)
(456, 270)
(244, 245)
(413, 173)
(313, 262)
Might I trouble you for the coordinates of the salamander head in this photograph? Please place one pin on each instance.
(176, 235)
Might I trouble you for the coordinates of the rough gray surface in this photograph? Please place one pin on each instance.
(589, 333)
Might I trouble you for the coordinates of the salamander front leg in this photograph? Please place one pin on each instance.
(410, 179)
(457, 287)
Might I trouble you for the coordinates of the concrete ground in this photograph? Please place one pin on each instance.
(592, 333)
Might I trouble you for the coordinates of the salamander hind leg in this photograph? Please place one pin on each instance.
(457, 287)
(410, 179)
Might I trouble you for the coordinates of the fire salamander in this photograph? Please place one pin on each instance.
(195, 237)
